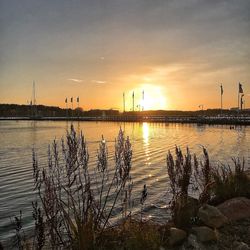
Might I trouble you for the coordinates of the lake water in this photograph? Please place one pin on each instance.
(150, 142)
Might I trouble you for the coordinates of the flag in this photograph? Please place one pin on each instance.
(66, 100)
(240, 88)
(133, 95)
(143, 95)
(221, 89)
(71, 99)
(77, 99)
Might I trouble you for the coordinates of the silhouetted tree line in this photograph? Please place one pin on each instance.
(15, 110)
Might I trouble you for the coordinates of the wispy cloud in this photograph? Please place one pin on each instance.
(99, 82)
(74, 80)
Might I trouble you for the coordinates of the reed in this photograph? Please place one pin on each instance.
(187, 173)
(230, 181)
(70, 214)
(179, 172)
(20, 238)
(212, 185)
(202, 174)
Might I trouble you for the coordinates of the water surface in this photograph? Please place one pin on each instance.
(150, 142)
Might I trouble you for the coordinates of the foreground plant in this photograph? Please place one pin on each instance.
(20, 237)
(179, 172)
(203, 173)
(39, 239)
(230, 181)
(187, 173)
(77, 203)
(211, 185)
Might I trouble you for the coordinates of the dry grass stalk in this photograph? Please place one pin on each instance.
(179, 171)
(75, 209)
(230, 182)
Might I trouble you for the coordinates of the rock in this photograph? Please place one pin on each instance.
(195, 244)
(185, 211)
(204, 234)
(211, 216)
(240, 246)
(247, 172)
(177, 236)
(193, 205)
(193, 241)
(236, 208)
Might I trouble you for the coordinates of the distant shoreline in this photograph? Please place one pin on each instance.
(46, 113)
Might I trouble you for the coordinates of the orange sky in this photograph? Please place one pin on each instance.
(178, 52)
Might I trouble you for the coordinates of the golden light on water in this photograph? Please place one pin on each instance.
(145, 131)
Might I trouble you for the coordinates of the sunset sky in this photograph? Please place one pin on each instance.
(177, 51)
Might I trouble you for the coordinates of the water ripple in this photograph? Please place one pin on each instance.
(150, 144)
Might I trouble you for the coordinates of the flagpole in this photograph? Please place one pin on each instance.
(143, 100)
(123, 102)
(240, 92)
(66, 101)
(238, 100)
(72, 107)
(221, 103)
(78, 112)
(221, 93)
(241, 102)
(133, 101)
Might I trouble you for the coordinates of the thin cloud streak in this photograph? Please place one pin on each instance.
(99, 82)
(74, 80)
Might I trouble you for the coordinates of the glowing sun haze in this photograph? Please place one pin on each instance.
(178, 52)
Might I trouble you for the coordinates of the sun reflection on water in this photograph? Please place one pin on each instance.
(145, 132)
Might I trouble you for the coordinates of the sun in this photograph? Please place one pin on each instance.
(147, 96)
(154, 97)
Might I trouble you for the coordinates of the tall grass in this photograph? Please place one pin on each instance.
(20, 239)
(230, 181)
(186, 174)
(77, 204)
(213, 185)
(202, 172)
(179, 172)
